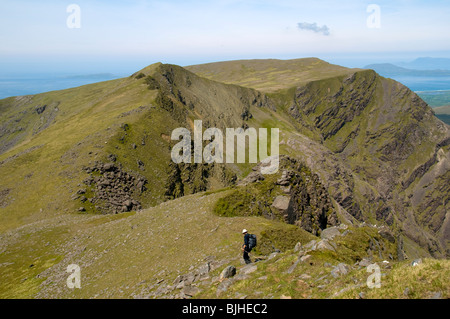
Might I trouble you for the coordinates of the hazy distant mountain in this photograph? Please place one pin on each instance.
(388, 69)
(426, 63)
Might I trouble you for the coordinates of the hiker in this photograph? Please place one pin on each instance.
(246, 247)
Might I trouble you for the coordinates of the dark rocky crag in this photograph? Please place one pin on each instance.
(389, 154)
(294, 195)
(110, 189)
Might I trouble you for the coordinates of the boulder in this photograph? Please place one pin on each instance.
(436, 295)
(330, 233)
(205, 269)
(286, 189)
(406, 292)
(248, 269)
(293, 266)
(109, 167)
(281, 203)
(228, 272)
(311, 245)
(305, 258)
(364, 262)
(284, 180)
(340, 270)
(253, 177)
(190, 291)
(324, 245)
(223, 287)
(112, 157)
(128, 204)
(140, 186)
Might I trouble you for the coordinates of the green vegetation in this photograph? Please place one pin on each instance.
(406, 282)
(249, 200)
(365, 148)
(435, 98)
(285, 276)
(268, 75)
(152, 83)
(279, 236)
(140, 76)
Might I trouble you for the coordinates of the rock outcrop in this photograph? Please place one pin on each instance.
(110, 189)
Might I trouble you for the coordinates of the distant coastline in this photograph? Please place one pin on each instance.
(28, 84)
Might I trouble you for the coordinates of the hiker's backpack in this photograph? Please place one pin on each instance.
(251, 241)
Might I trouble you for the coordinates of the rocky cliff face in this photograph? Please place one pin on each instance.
(187, 96)
(390, 140)
(378, 148)
(294, 195)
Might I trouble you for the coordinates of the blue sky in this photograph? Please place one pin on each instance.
(124, 36)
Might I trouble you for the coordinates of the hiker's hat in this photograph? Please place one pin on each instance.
(244, 231)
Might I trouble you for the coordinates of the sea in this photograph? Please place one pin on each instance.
(39, 83)
(423, 83)
(27, 84)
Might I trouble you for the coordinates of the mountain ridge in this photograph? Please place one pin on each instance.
(388, 69)
(376, 148)
(427, 63)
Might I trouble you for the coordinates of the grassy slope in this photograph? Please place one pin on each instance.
(269, 75)
(41, 234)
(120, 255)
(313, 280)
(86, 129)
(132, 254)
(87, 118)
